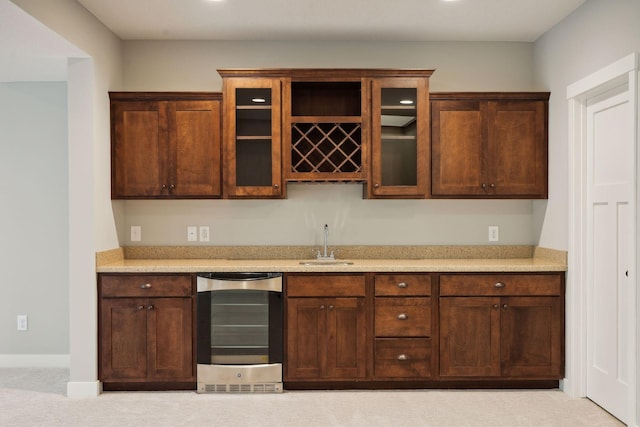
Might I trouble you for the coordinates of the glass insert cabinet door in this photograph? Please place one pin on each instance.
(399, 137)
(252, 138)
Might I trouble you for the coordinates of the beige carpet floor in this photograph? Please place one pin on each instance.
(36, 397)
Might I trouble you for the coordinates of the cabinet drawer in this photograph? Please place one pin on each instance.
(145, 285)
(326, 286)
(405, 357)
(403, 285)
(403, 317)
(500, 284)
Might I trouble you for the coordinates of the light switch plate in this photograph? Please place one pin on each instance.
(204, 233)
(494, 233)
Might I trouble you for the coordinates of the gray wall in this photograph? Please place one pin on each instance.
(176, 65)
(34, 230)
(594, 36)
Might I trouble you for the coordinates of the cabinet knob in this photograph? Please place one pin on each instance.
(505, 306)
(330, 307)
(276, 186)
(172, 186)
(492, 185)
(403, 285)
(376, 185)
(402, 357)
(141, 307)
(484, 186)
(499, 285)
(402, 316)
(150, 307)
(322, 307)
(145, 286)
(164, 187)
(495, 306)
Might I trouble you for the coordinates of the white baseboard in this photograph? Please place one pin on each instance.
(79, 390)
(34, 361)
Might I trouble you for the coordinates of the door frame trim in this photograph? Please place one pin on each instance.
(623, 71)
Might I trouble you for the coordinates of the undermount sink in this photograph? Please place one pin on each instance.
(326, 262)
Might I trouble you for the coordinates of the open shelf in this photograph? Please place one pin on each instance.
(326, 99)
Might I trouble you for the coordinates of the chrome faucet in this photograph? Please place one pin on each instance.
(324, 255)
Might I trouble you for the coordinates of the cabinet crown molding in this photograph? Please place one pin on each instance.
(338, 73)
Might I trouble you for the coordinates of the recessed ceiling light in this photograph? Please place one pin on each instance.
(406, 102)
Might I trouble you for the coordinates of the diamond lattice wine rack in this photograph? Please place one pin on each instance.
(324, 132)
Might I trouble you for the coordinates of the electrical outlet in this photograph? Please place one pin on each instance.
(22, 322)
(494, 233)
(136, 233)
(204, 233)
(192, 233)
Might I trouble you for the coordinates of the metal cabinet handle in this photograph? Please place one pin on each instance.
(141, 307)
(150, 307)
(499, 285)
(484, 186)
(276, 186)
(322, 307)
(495, 305)
(172, 186)
(164, 187)
(402, 316)
(403, 285)
(492, 185)
(330, 307)
(145, 286)
(402, 357)
(376, 185)
(505, 306)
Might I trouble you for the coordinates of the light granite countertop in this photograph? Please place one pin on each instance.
(463, 259)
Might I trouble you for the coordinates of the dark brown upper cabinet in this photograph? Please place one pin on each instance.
(489, 145)
(400, 138)
(165, 145)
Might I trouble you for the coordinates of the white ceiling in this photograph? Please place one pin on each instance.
(380, 20)
(29, 51)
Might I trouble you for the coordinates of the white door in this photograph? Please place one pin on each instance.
(610, 250)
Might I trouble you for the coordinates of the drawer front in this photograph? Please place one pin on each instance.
(146, 285)
(403, 285)
(402, 317)
(500, 284)
(326, 286)
(404, 357)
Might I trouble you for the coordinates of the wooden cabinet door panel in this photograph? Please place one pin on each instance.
(346, 335)
(252, 159)
(123, 344)
(194, 135)
(306, 342)
(139, 166)
(400, 154)
(469, 336)
(531, 337)
(517, 148)
(170, 339)
(458, 147)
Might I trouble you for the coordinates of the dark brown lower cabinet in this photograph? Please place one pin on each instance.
(146, 343)
(501, 336)
(326, 328)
